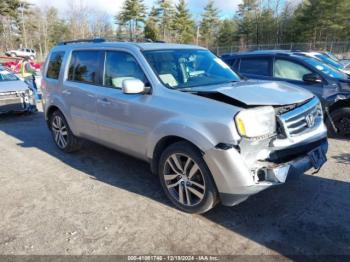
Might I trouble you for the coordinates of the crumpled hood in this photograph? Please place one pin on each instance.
(17, 85)
(265, 93)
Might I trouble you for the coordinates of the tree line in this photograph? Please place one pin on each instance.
(255, 22)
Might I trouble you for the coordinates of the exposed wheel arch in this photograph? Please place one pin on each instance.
(49, 113)
(339, 104)
(161, 145)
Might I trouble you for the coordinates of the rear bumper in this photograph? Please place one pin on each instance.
(236, 182)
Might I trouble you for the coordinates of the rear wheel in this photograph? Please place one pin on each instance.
(341, 119)
(186, 179)
(61, 133)
(13, 55)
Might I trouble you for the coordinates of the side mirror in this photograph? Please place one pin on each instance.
(312, 78)
(133, 86)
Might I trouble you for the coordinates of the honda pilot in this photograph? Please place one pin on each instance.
(209, 136)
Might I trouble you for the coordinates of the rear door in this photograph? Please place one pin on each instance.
(80, 88)
(257, 67)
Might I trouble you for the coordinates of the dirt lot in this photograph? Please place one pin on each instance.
(99, 201)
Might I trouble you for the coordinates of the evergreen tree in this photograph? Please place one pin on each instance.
(166, 13)
(209, 23)
(10, 7)
(133, 12)
(151, 30)
(183, 24)
(227, 34)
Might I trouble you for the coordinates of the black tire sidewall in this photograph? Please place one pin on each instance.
(210, 195)
(336, 115)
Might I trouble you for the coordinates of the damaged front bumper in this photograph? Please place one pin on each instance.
(237, 179)
(17, 101)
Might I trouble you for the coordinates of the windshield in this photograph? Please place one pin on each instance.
(330, 61)
(7, 76)
(325, 68)
(189, 68)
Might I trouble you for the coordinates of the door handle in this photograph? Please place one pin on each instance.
(66, 92)
(104, 101)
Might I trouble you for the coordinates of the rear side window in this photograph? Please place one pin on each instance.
(255, 66)
(84, 67)
(54, 67)
(230, 61)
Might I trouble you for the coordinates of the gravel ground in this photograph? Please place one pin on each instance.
(98, 201)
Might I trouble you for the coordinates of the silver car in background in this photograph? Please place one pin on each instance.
(15, 94)
(208, 135)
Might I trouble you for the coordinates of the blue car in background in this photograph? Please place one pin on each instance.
(327, 58)
(325, 81)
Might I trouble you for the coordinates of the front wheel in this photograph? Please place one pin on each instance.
(61, 133)
(186, 179)
(341, 119)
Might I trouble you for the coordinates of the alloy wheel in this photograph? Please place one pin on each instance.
(60, 132)
(184, 179)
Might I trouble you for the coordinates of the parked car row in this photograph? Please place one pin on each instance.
(209, 135)
(306, 70)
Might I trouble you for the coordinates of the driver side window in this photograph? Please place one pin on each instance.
(121, 66)
(289, 70)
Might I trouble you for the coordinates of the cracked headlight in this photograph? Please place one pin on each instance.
(256, 122)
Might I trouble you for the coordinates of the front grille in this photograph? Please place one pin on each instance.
(302, 119)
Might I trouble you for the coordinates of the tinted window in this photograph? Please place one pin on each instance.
(289, 70)
(54, 66)
(84, 67)
(120, 66)
(229, 61)
(255, 66)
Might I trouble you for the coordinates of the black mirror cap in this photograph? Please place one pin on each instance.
(312, 78)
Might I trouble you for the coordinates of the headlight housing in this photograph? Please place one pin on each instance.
(256, 122)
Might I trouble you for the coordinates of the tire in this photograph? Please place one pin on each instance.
(341, 119)
(31, 57)
(199, 193)
(62, 134)
(13, 55)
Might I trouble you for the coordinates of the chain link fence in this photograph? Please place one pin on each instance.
(340, 49)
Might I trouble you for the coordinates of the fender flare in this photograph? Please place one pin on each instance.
(194, 133)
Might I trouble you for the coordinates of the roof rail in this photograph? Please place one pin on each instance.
(94, 40)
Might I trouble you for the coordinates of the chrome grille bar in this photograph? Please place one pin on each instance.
(302, 119)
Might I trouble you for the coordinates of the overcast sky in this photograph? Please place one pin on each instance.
(227, 7)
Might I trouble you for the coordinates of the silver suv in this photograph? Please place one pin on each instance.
(209, 136)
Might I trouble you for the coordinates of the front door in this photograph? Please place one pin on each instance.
(121, 117)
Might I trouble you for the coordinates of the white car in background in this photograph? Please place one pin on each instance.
(22, 52)
(15, 94)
